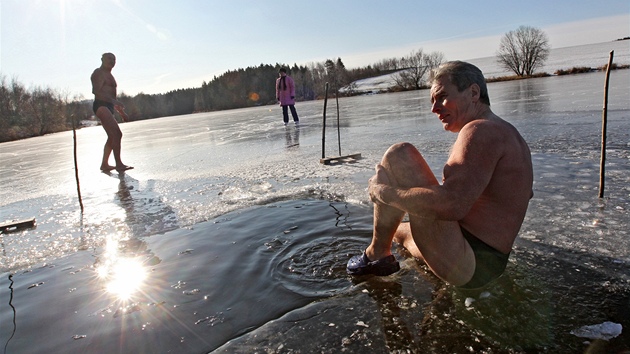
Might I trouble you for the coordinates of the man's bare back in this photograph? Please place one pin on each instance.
(496, 148)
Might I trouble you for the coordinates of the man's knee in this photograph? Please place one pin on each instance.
(114, 134)
(401, 153)
(401, 150)
(407, 166)
(110, 125)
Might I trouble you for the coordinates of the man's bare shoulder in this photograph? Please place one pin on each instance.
(481, 129)
(98, 72)
(489, 130)
(491, 121)
(488, 139)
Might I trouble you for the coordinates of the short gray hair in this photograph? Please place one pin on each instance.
(462, 75)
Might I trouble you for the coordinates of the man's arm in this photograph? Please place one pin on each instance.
(466, 175)
(121, 110)
(98, 81)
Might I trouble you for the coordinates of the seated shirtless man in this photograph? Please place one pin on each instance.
(104, 90)
(464, 228)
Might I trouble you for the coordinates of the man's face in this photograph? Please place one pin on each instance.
(109, 60)
(449, 104)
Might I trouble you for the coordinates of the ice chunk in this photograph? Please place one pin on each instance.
(362, 324)
(606, 331)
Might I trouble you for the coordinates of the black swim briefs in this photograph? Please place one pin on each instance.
(99, 103)
(490, 263)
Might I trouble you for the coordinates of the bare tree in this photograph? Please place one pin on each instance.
(388, 64)
(417, 65)
(523, 50)
(44, 112)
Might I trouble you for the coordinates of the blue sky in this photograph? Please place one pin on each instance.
(165, 45)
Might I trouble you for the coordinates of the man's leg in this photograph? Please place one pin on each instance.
(114, 137)
(439, 243)
(406, 168)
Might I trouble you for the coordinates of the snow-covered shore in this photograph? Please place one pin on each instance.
(590, 55)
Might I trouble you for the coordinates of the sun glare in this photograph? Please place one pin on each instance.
(122, 276)
(126, 277)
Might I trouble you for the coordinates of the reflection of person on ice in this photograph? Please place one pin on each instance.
(285, 93)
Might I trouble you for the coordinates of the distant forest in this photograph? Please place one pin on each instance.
(253, 86)
(28, 113)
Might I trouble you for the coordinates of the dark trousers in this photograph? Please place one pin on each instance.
(285, 113)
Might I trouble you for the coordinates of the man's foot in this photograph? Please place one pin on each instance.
(123, 168)
(361, 265)
(107, 168)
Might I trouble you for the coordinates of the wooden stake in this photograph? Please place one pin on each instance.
(76, 167)
(330, 160)
(338, 132)
(602, 163)
(324, 124)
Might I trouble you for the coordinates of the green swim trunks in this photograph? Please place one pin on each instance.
(490, 263)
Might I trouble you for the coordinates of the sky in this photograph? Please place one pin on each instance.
(165, 45)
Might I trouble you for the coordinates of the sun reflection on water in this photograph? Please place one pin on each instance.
(123, 276)
(127, 277)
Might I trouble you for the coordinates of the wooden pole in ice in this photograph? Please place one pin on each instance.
(338, 132)
(324, 124)
(602, 163)
(76, 167)
(328, 160)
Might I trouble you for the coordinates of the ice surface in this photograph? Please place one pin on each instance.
(196, 167)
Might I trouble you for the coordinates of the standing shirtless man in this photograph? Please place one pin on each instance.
(464, 228)
(104, 90)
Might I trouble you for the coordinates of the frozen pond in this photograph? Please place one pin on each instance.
(245, 233)
(196, 167)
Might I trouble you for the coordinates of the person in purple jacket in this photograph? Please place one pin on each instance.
(285, 93)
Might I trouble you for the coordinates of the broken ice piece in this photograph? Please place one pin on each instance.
(605, 331)
(362, 324)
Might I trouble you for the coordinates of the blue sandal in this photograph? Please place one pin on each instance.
(361, 265)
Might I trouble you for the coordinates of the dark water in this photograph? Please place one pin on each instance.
(272, 279)
(229, 236)
(202, 287)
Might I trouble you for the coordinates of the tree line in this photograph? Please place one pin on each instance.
(38, 111)
(255, 86)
